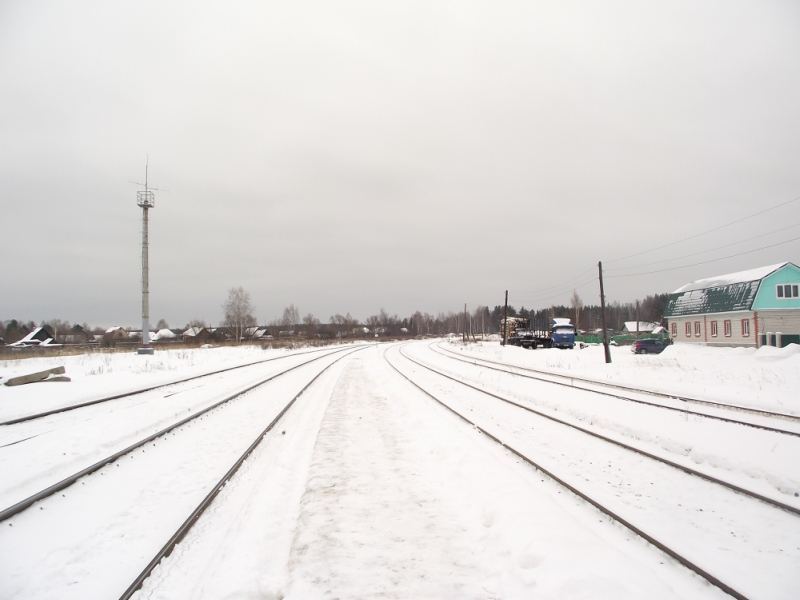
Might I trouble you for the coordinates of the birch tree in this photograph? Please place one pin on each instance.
(238, 311)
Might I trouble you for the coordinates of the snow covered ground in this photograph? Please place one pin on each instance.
(765, 378)
(369, 489)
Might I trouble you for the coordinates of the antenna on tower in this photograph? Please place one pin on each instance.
(146, 199)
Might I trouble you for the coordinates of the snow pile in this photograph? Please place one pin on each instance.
(766, 378)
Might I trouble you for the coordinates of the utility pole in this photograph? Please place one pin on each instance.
(603, 313)
(464, 335)
(505, 320)
(145, 199)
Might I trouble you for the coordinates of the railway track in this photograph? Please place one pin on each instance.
(95, 401)
(608, 505)
(153, 499)
(65, 482)
(610, 440)
(181, 532)
(588, 385)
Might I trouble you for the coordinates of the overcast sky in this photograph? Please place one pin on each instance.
(349, 156)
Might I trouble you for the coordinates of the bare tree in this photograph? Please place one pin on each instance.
(481, 320)
(162, 324)
(373, 322)
(196, 323)
(312, 323)
(238, 311)
(291, 317)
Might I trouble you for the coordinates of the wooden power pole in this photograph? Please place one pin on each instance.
(603, 313)
(464, 336)
(505, 320)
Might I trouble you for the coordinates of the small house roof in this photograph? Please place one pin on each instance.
(643, 326)
(731, 278)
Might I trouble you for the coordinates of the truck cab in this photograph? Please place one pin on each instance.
(563, 333)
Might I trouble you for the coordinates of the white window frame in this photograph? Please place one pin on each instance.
(745, 327)
(786, 291)
(688, 329)
(713, 329)
(728, 328)
(697, 329)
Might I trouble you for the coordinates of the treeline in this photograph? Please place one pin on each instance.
(587, 318)
(480, 321)
(14, 330)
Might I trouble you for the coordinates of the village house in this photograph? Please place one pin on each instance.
(754, 308)
(637, 327)
(196, 335)
(115, 334)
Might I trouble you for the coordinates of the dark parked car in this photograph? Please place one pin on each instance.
(649, 346)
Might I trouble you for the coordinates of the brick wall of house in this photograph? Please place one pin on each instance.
(740, 335)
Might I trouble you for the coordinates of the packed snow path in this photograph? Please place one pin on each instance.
(378, 492)
(366, 489)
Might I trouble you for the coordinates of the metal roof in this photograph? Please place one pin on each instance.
(726, 298)
(725, 293)
(725, 280)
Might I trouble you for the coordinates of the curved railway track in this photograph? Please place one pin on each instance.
(614, 514)
(96, 401)
(20, 506)
(585, 383)
(684, 468)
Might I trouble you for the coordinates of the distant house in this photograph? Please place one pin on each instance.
(750, 308)
(38, 337)
(164, 335)
(222, 334)
(196, 335)
(643, 327)
(115, 334)
(76, 335)
(261, 334)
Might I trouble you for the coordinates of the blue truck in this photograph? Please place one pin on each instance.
(558, 333)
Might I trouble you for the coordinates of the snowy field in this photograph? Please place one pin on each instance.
(368, 488)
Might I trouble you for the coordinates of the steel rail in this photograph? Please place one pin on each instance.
(148, 389)
(167, 549)
(661, 546)
(473, 361)
(688, 470)
(68, 481)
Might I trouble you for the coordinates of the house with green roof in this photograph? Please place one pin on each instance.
(755, 308)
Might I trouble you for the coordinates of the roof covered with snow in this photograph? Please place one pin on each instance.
(643, 326)
(741, 277)
(725, 293)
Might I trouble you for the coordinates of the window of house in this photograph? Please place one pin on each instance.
(727, 329)
(745, 327)
(674, 330)
(713, 329)
(787, 290)
(688, 329)
(697, 328)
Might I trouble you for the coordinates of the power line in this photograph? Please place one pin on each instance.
(705, 262)
(658, 262)
(552, 287)
(534, 300)
(691, 237)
